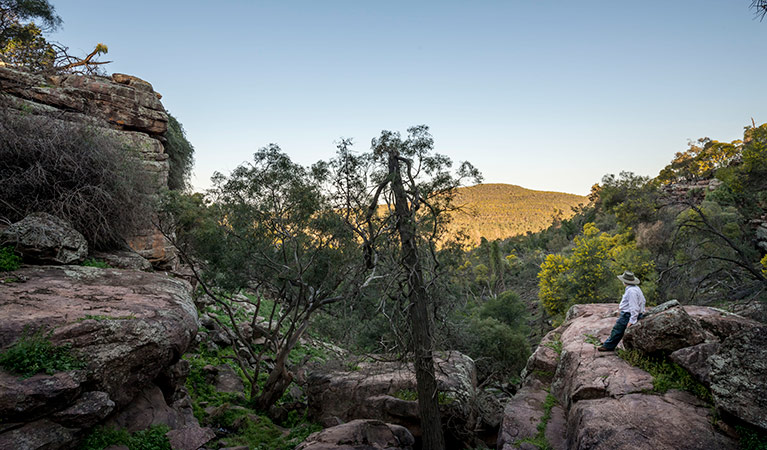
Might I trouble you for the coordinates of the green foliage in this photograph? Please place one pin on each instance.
(152, 438)
(496, 347)
(443, 398)
(180, 155)
(406, 394)
(200, 389)
(257, 432)
(540, 440)
(751, 438)
(92, 262)
(700, 161)
(555, 345)
(9, 261)
(593, 340)
(22, 24)
(101, 317)
(666, 374)
(506, 308)
(35, 353)
(588, 273)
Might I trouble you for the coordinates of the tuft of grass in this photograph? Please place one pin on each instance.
(9, 261)
(666, 374)
(35, 353)
(540, 440)
(555, 345)
(443, 398)
(92, 262)
(406, 394)
(102, 317)
(152, 438)
(593, 340)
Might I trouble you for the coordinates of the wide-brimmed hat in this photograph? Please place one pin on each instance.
(628, 278)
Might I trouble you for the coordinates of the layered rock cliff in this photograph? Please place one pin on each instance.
(122, 106)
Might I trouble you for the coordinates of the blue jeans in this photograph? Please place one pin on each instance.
(620, 327)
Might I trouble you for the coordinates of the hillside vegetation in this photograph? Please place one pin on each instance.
(499, 211)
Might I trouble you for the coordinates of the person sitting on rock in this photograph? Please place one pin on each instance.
(631, 310)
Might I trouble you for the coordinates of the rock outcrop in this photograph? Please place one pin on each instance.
(665, 332)
(124, 107)
(128, 327)
(384, 391)
(44, 238)
(739, 376)
(597, 400)
(360, 435)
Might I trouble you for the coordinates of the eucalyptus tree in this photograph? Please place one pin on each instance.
(267, 229)
(397, 200)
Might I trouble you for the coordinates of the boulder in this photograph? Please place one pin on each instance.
(190, 438)
(739, 376)
(87, 411)
(360, 435)
(695, 360)
(227, 380)
(150, 408)
(664, 332)
(674, 421)
(40, 434)
(582, 372)
(44, 238)
(128, 326)
(602, 401)
(522, 415)
(543, 362)
(30, 398)
(371, 392)
(720, 323)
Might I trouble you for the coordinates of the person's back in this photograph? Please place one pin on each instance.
(632, 307)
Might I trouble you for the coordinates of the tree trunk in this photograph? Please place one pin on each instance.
(428, 401)
(280, 378)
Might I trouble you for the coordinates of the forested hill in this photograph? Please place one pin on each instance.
(498, 211)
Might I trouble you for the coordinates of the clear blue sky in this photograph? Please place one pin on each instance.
(546, 95)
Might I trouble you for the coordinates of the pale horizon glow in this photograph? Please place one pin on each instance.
(541, 95)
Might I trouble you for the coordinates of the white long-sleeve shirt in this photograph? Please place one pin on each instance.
(633, 302)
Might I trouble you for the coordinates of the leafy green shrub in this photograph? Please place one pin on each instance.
(74, 171)
(36, 354)
(408, 395)
(496, 347)
(751, 439)
(92, 262)
(9, 261)
(587, 273)
(180, 155)
(152, 438)
(666, 374)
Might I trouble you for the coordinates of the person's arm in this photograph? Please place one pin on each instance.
(634, 307)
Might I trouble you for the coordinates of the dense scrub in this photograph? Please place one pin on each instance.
(180, 155)
(697, 233)
(73, 171)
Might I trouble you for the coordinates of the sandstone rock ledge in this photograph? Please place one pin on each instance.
(130, 327)
(602, 402)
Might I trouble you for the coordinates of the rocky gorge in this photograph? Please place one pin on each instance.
(151, 351)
